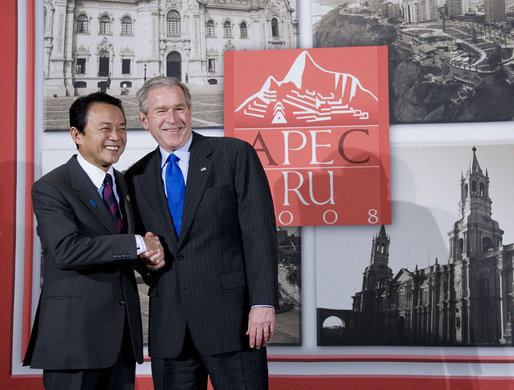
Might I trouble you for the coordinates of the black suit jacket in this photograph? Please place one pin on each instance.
(89, 287)
(225, 259)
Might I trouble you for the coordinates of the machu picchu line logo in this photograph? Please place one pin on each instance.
(321, 97)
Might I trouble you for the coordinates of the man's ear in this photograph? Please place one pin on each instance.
(76, 135)
(144, 121)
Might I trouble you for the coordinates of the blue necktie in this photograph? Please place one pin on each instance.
(112, 204)
(175, 188)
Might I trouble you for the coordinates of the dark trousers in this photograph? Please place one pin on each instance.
(120, 376)
(239, 370)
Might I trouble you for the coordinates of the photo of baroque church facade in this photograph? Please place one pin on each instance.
(469, 300)
(116, 45)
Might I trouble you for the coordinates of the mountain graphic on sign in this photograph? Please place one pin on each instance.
(310, 93)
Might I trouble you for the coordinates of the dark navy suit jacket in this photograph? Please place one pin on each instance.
(226, 257)
(89, 287)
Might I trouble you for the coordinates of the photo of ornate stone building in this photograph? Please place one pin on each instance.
(115, 45)
(467, 299)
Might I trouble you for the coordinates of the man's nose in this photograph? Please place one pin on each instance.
(115, 134)
(171, 116)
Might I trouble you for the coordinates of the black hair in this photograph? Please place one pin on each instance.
(80, 107)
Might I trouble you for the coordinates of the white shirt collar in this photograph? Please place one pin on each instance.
(96, 174)
(182, 153)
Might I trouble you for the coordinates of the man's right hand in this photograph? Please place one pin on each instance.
(154, 255)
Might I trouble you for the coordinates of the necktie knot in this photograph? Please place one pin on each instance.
(175, 189)
(173, 158)
(111, 203)
(108, 180)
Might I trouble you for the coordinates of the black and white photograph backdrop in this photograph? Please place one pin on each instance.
(449, 61)
(288, 315)
(115, 46)
(442, 272)
(288, 329)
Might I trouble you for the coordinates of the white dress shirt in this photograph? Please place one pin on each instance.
(97, 176)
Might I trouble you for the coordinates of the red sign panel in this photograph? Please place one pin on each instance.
(319, 121)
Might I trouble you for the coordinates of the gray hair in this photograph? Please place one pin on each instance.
(160, 82)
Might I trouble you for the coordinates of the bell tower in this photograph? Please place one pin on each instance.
(475, 232)
(378, 272)
(475, 244)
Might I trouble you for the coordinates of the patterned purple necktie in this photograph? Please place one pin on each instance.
(112, 204)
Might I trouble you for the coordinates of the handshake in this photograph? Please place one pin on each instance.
(153, 257)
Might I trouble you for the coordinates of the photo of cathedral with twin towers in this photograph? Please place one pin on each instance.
(466, 300)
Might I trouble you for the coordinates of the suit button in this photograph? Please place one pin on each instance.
(122, 302)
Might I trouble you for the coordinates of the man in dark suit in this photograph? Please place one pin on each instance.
(87, 331)
(212, 306)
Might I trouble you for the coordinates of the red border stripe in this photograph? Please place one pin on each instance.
(29, 175)
(8, 108)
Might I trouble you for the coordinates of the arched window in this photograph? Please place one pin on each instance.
(482, 189)
(487, 244)
(424, 294)
(209, 30)
(274, 27)
(244, 30)
(105, 25)
(82, 24)
(227, 30)
(103, 64)
(174, 65)
(173, 24)
(126, 26)
(333, 322)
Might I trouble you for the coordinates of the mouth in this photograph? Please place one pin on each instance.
(112, 148)
(174, 130)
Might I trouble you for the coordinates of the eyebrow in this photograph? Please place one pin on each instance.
(124, 123)
(170, 107)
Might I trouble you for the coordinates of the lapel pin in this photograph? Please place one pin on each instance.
(128, 198)
(203, 169)
(92, 203)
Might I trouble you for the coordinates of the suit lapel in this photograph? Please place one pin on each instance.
(88, 194)
(124, 202)
(200, 167)
(157, 198)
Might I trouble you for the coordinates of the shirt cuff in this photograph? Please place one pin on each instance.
(140, 244)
